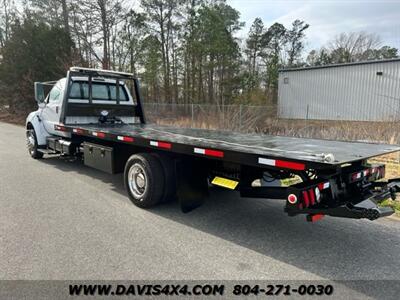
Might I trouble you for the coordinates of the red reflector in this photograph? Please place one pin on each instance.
(290, 165)
(306, 201)
(214, 153)
(101, 134)
(164, 145)
(312, 196)
(292, 198)
(314, 218)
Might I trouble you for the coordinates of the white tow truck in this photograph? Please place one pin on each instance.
(97, 116)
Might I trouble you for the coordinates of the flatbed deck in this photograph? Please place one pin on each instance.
(250, 147)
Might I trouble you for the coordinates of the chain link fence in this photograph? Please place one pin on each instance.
(267, 119)
(229, 117)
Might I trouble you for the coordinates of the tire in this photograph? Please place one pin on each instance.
(168, 165)
(33, 144)
(144, 180)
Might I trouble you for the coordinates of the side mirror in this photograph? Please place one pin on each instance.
(39, 93)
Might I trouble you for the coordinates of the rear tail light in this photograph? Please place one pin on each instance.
(306, 200)
(305, 197)
(292, 198)
(312, 196)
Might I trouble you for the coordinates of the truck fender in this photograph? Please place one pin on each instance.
(33, 121)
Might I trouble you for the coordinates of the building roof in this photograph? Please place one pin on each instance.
(367, 62)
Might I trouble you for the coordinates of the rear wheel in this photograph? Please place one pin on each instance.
(32, 144)
(144, 180)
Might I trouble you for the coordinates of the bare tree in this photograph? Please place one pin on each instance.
(294, 41)
(161, 17)
(350, 47)
(65, 14)
(7, 16)
(103, 16)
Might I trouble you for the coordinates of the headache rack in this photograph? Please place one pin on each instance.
(99, 73)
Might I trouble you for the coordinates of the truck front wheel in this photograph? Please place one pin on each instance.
(32, 144)
(144, 180)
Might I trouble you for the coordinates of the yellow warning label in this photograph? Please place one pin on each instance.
(224, 182)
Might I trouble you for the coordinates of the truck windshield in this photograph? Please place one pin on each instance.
(100, 91)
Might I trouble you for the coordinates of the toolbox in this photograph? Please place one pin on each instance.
(99, 157)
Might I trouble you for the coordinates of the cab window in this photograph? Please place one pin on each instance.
(55, 93)
(113, 93)
(100, 91)
(75, 92)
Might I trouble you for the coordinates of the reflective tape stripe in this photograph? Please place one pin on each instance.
(161, 144)
(125, 138)
(290, 165)
(323, 185)
(266, 161)
(199, 151)
(281, 163)
(209, 152)
(98, 134)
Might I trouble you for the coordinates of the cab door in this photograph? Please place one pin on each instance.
(51, 112)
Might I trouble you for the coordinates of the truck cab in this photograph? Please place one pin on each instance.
(88, 98)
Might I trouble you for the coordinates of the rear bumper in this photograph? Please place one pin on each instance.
(365, 209)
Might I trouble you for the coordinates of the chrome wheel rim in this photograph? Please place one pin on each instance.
(137, 181)
(31, 141)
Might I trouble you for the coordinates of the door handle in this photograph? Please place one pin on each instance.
(56, 109)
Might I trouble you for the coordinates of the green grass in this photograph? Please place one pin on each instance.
(393, 204)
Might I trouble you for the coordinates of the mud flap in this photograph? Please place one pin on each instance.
(192, 184)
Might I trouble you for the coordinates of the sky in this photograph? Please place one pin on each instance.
(327, 18)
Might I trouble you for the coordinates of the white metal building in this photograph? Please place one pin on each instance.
(363, 91)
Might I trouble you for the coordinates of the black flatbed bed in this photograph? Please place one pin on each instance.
(246, 148)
